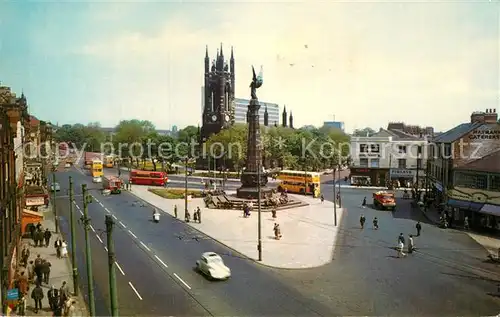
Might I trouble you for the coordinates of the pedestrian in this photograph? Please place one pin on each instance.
(53, 297)
(25, 254)
(21, 306)
(64, 292)
(273, 212)
(39, 238)
(195, 216)
(198, 211)
(32, 233)
(364, 202)
(30, 268)
(419, 228)
(466, 223)
(175, 211)
(64, 249)
(375, 223)
(362, 221)
(23, 284)
(58, 246)
(38, 260)
(47, 235)
(37, 295)
(46, 271)
(411, 246)
(39, 273)
(69, 308)
(39, 226)
(322, 198)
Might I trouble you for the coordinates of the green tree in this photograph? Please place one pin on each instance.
(130, 136)
(229, 145)
(364, 132)
(93, 136)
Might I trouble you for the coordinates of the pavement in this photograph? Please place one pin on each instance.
(308, 232)
(61, 270)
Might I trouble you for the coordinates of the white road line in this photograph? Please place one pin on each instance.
(164, 264)
(99, 238)
(136, 292)
(114, 217)
(77, 207)
(101, 204)
(133, 235)
(120, 268)
(124, 226)
(145, 246)
(81, 212)
(106, 248)
(97, 201)
(92, 228)
(182, 281)
(106, 209)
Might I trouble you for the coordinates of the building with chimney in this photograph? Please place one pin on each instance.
(241, 111)
(218, 94)
(464, 171)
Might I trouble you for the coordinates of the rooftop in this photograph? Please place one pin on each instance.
(488, 163)
(457, 132)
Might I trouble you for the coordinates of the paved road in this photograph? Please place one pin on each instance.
(161, 269)
(447, 276)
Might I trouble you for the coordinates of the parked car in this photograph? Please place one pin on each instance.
(55, 187)
(97, 179)
(212, 265)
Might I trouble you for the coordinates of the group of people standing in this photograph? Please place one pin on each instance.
(187, 216)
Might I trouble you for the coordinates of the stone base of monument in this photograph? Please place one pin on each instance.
(233, 202)
(253, 192)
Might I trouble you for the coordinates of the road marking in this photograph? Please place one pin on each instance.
(136, 292)
(106, 209)
(81, 212)
(120, 268)
(133, 235)
(92, 228)
(114, 217)
(106, 248)
(124, 226)
(101, 205)
(77, 207)
(182, 281)
(99, 238)
(165, 265)
(145, 246)
(97, 201)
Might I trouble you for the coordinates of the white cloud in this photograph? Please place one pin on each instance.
(364, 63)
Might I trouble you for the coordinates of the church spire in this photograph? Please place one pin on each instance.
(206, 52)
(284, 117)
(232, 55)
(290, 120)
(221, 52)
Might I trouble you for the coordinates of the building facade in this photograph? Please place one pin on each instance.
(389, 159)
(218, 94)
(241, 111)
(464, 170)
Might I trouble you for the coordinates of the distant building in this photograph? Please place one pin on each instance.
(174, 129)
(410, 129)
(241, 108)
(334, 124)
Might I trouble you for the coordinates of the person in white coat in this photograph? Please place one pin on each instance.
(64, 249)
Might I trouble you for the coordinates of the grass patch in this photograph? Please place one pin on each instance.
(173, 193)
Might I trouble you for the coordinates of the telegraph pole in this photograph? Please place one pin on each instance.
(340, 197)
(334, 199)
(88, 254)
(73, 239)
(113, 291)
(186, 188)
(259, 246)
(56, 221)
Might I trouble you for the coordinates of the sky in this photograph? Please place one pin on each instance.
(364, 63)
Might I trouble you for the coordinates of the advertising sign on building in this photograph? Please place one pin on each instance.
(402, 173)
(35, 201)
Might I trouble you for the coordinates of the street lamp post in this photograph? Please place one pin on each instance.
(259, 246)
(340, 197)
(334, 199)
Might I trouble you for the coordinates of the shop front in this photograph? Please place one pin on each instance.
(402, 177)
(480, 208)
(30, 218)
(369, 176)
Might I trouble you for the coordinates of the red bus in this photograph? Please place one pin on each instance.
(139, 177)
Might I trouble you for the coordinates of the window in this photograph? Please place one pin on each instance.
(419, 150)
(401, 163)
(375, 163)
(375, 148)
(363, 162)
(419, 163)
(447, 150)
(402, 149)
(495, 183)
(471, 180)
(363, 148)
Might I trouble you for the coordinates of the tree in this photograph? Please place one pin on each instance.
(229, 145)
(364, 132)
(130, 136)
(90, 136)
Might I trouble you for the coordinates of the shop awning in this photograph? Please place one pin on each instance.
(30, 217)
(463, 204)
(493, 210)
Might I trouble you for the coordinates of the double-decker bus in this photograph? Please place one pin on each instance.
(109, 161)
(139, 177)
(300, 182)
(96, 171)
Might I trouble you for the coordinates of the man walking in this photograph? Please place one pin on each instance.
(47, 235)
(418, 226)
(37, 295)
(46, 271)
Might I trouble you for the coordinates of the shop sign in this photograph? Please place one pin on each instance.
(369, 154)
(360, 170)
(402, 172)
(35, 201)
(489, 134)
(458, 195)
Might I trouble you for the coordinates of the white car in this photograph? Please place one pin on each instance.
(212, 266)
(55, 187)
(97, 180)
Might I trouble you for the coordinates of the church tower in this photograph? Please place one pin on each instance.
(290, 121)
(218, 101)
(284, 117)
(266, 118)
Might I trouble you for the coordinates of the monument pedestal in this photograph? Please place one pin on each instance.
(250, 177)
